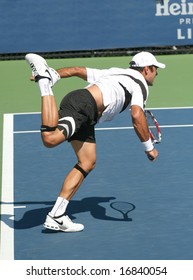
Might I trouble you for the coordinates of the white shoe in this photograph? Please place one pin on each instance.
(62, 223)
(40, 69)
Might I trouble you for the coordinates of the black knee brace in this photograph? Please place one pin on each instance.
(47, 128)
(84, 173)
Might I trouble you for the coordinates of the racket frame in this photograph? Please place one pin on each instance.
(125, 213)
(152, 136)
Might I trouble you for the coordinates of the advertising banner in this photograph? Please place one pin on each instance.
(75, 25)
(178, 18)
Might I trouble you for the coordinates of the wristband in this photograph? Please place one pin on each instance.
(148, 145)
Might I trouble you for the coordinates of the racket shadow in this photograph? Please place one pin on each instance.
(124, 208)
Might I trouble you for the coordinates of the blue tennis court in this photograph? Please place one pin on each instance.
(160, 224)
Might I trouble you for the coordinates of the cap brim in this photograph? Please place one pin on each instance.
(160, 65)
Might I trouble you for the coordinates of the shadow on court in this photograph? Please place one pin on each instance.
(35, 217)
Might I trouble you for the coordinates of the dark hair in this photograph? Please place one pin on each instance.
(134, 67)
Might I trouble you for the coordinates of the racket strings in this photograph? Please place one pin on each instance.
(122, 206)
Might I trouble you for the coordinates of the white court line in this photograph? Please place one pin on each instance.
(26, 131)
(7, 233)
(171, 108)
(176, 125)
(114, 128)
(161, 126)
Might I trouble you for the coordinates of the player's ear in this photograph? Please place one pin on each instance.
(146, 69)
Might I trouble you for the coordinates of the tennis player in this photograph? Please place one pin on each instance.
(109, 92)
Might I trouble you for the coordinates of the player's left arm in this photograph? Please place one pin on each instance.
(77, 71)
(90, 75)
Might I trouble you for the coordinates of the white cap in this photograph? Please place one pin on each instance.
(143, 59)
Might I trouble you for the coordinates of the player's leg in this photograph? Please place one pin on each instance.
(51, 135)
(86, 156)
(46, 77)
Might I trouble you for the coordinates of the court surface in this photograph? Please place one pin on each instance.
(160, 223)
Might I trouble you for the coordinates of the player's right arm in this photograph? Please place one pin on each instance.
(141, 129)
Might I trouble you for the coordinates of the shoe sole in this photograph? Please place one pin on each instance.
(53, 227)
(33, 58)
(57, 228)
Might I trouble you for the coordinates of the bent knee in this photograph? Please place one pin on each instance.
(47, 141)
(50, 140)
(91, 166)
(88, 166)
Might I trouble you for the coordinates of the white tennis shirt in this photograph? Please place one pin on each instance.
(121, 88)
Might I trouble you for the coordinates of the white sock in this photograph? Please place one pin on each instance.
(45, 88)
(59, 207)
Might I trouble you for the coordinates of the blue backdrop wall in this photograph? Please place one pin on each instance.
(65, 25)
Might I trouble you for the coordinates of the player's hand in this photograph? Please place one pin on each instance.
(152, 155)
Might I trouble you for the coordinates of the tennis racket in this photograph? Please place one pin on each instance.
(154, 129)
(124, 208)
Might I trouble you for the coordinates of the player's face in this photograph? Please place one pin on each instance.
(151, 74)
